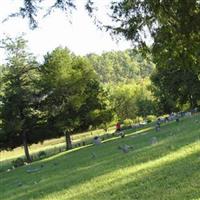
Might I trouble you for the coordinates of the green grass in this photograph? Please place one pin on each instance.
(167, 170)
(49, 146)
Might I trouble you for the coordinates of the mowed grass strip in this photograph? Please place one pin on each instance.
(168, 169)
(49, 145)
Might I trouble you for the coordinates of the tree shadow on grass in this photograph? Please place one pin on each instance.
(179, 179)
(77, 167)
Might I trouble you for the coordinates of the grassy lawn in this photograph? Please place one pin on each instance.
(49, 145)
(166, 170)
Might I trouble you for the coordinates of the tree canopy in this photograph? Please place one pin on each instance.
(60, 96)
(121, 66)
(172, 27)
(19, 96)
(73, 92)
(29, 9)
(65, 92)
(175, 31)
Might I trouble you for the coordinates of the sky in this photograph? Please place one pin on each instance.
(81, 36)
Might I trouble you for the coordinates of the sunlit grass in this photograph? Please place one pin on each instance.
(166, 170)
(49, 145)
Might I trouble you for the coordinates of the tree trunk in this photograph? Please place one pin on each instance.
(68, 140)
(193, 102)
(26, 150)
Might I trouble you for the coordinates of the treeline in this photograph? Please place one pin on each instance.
(126, 77)
(68, 94)
(61, 96)
(121, 66)
(175, 32)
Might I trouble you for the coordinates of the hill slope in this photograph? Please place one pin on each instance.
(167, 169)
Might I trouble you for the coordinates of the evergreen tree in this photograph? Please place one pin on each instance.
(20, 112)
(72, 91)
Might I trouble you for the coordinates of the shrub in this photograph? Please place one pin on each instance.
(42, 154)
(18, 162)
(151, 118)
(128, 122)
(137, 120)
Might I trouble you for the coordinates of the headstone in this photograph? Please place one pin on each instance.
(158, 124)
(154, 140)
(25, 163)
(188, 114)
(120, 133)
(125, 148)
(32, 170)
(97, 140)
(157, 127)
(94, 155)
(8, 170)
(166, 119)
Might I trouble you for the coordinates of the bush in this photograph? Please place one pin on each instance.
(151, 118)
(128, 122)
(18, 162)
(137, 120)
(42, 154)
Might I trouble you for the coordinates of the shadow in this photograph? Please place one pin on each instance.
(77, 167)
(168, 181)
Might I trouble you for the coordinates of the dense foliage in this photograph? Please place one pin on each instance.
(20, 102)
(67, 94)
(174, 29)
(121, 66)
(73, 93)
(126, 75)
(133, 100)
(63, 95)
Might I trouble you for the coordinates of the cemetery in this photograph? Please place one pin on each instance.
(141, 165)
(100, 100)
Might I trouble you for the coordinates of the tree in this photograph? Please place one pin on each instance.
(20, 112)
(121, 66)
(145, 101)
(102, 113)
(31, 8)
(72, 92)
(175, 32)
(132, 100)
(58, 82)
(123, 97)
(164, 102)
(177, 71)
